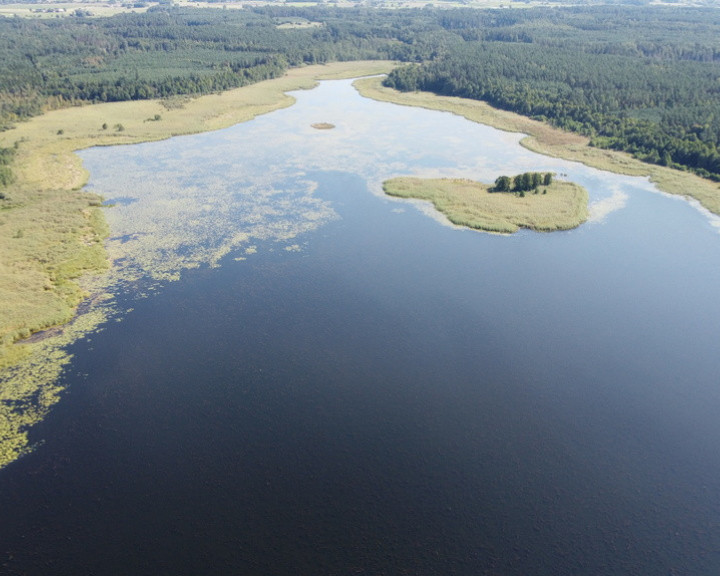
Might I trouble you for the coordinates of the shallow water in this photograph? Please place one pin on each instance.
(358, 389)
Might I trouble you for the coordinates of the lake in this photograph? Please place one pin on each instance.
(310, 378)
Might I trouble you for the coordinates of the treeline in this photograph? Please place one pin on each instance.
(6, 175)
(601, 75)
(134, 88)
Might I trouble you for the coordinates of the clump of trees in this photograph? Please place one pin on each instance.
(6, 175)
(524, 182)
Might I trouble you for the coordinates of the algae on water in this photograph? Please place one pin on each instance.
(169, 227)
(31, 387)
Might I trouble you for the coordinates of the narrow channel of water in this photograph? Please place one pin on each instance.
(359, 389)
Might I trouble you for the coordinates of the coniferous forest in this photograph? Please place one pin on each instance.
(645, 80)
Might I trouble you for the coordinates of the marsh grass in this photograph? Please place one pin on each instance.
(544, 139)
(52, 232)
(48, 240)
(471, 204)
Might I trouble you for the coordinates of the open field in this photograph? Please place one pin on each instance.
(69, 9)
(558, 206)
(51, 232)
(545, 139)
(101, 8)
(104, 8)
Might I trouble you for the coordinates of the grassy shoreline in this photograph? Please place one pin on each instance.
(560, 205)
(544, 139)
(52, 232)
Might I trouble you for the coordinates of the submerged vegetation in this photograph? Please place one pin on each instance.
(30, 388)
(559, 206)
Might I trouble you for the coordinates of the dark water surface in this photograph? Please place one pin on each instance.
(398, 397)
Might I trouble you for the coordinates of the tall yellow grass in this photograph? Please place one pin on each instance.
(559, 206)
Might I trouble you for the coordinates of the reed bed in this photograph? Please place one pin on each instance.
(558, 206)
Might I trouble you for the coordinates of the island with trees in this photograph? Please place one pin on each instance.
(531, 200)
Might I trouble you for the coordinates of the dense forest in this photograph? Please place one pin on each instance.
(644, 80)
(164, 52)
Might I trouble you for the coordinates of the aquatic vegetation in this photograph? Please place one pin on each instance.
(30, 388)
(179, 227)
(323, 126)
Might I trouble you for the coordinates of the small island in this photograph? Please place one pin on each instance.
(323, 126)
(531, 200)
